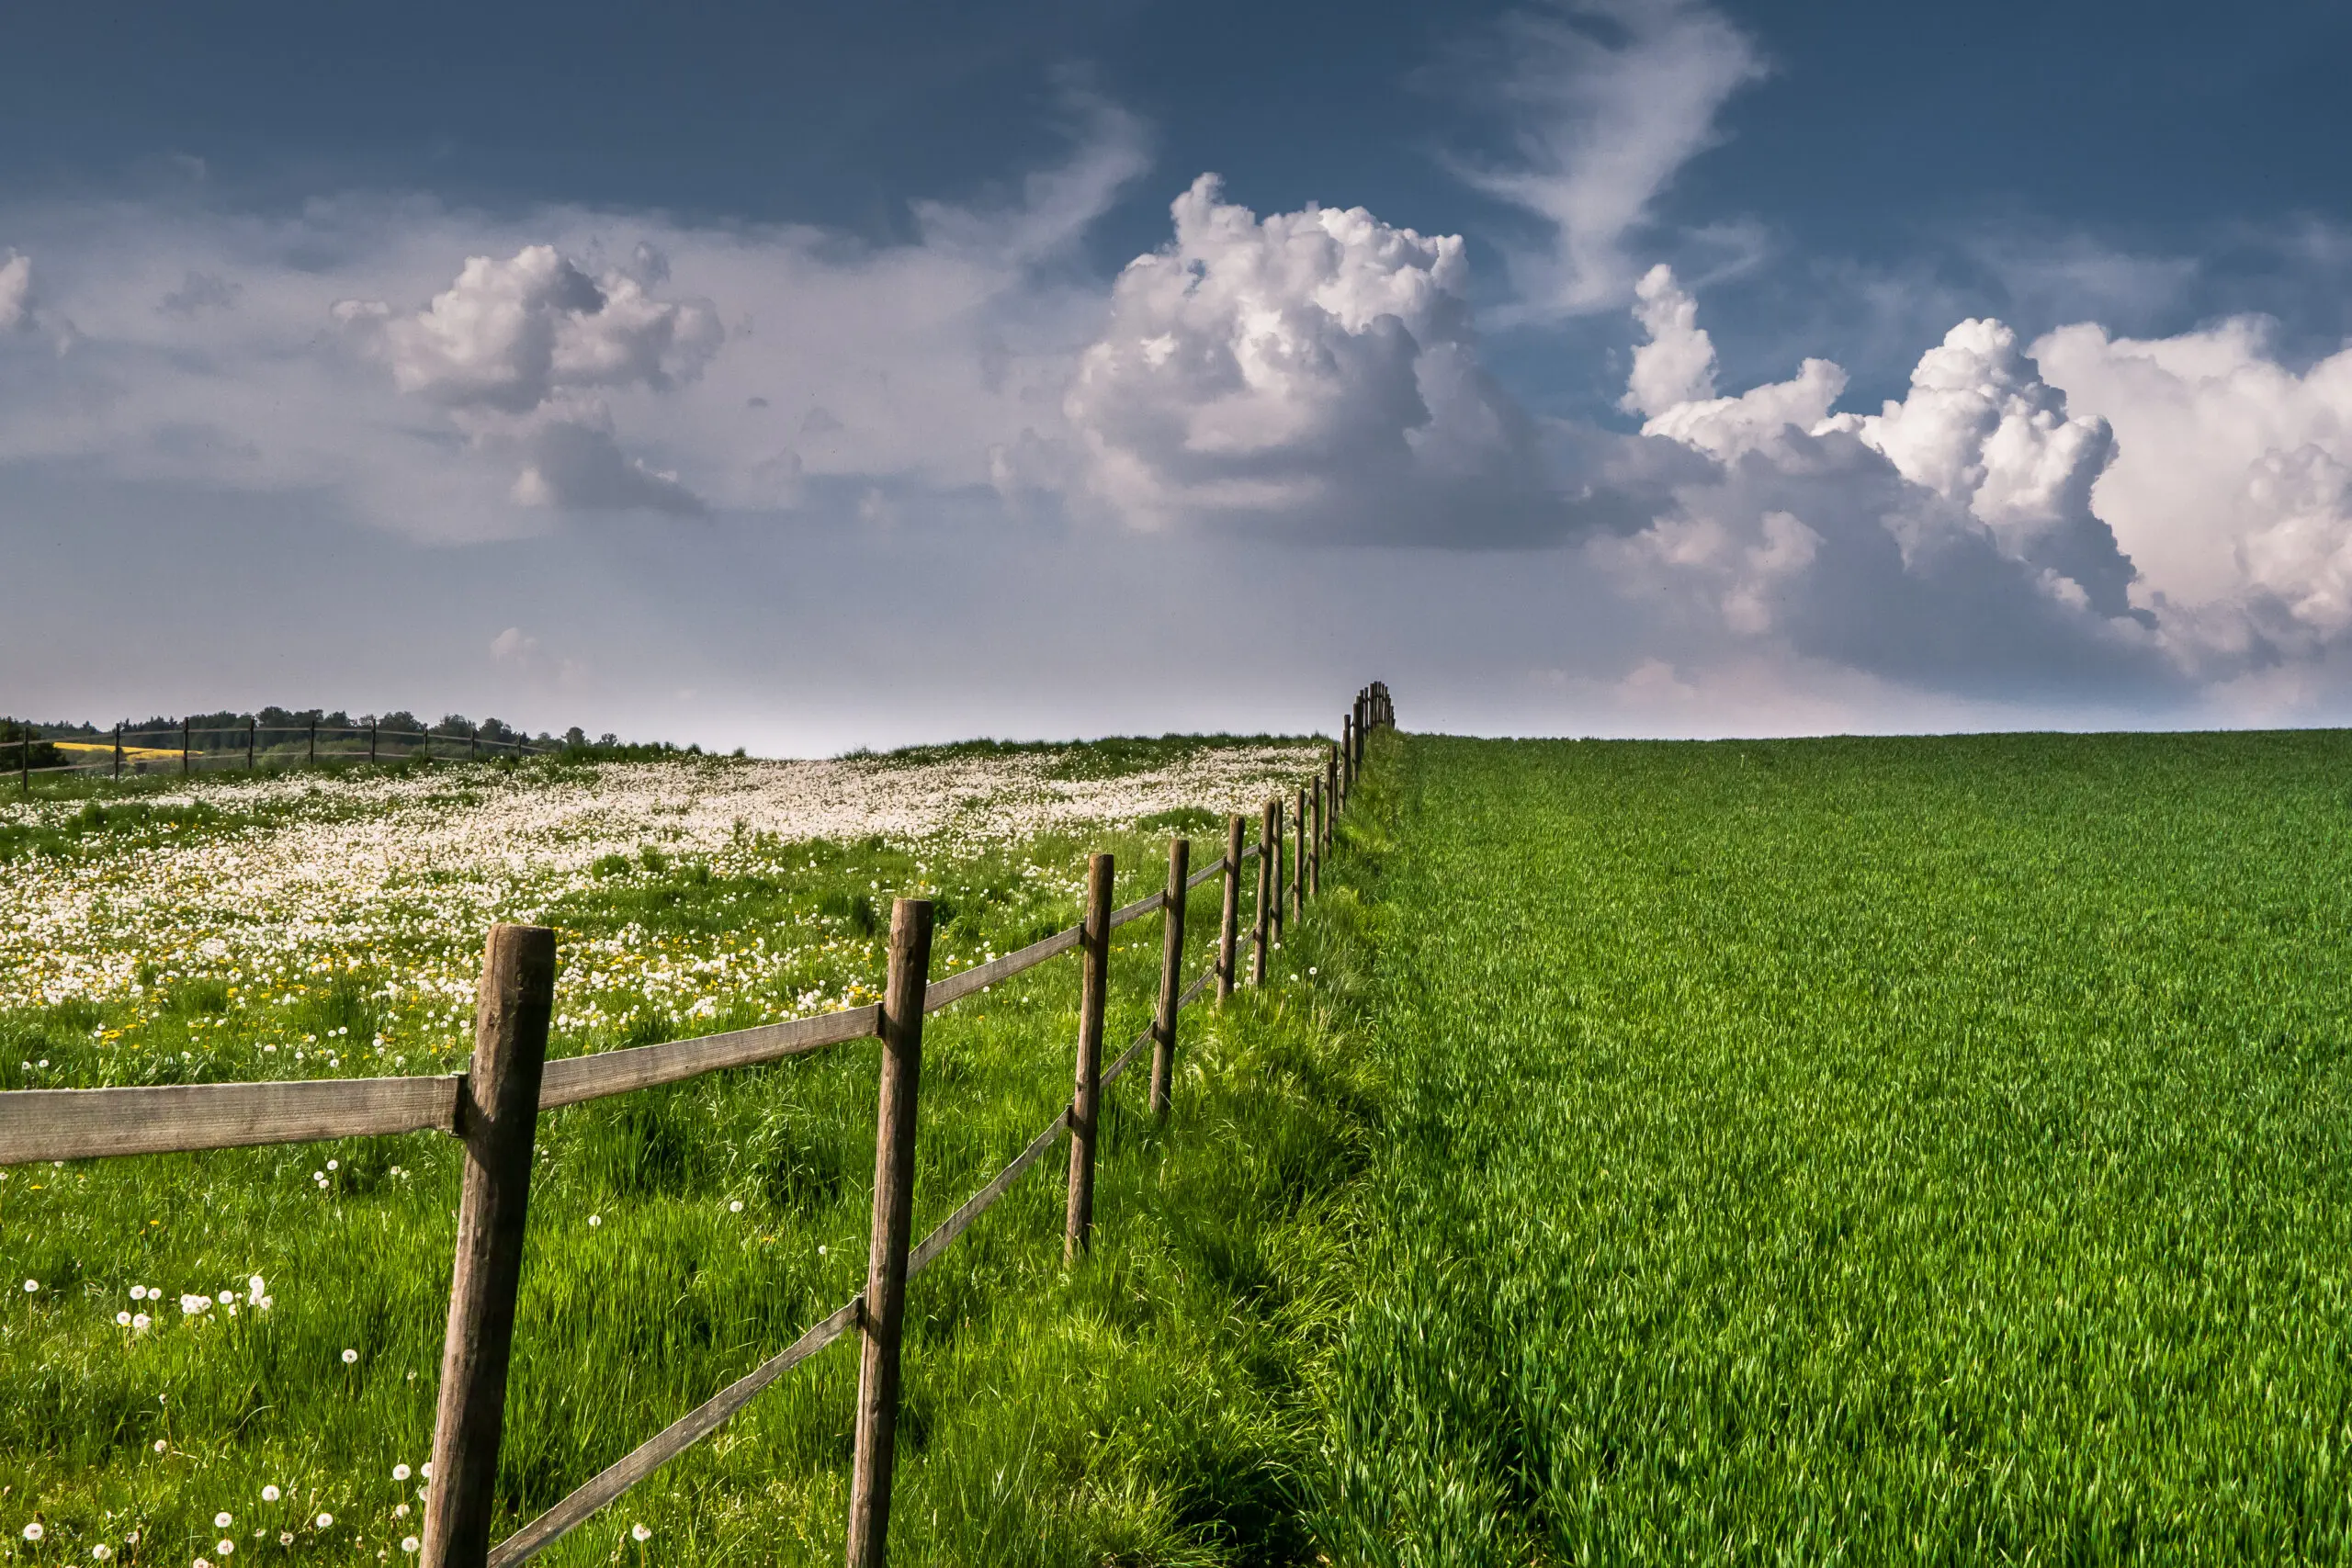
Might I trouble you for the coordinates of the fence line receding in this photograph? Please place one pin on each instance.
(494, 1107)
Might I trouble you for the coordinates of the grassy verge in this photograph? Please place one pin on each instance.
(1146, 1405)
(1893, 1150)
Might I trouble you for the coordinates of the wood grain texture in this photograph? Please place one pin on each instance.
(668, 1444)
(498, 1118)
(1171, 976)
(577, 1078)
(1086, 1094)
(1215, 868)
(955, 987)
(93, 1124)
(873, 1460)
(1229, 914)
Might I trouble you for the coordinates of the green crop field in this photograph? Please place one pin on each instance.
(1908, 1150)
(1898, 1150)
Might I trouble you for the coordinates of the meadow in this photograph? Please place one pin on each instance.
(230, 1357)
(1893, 1150)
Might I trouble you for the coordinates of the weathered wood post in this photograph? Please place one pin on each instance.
(1298, 861)
(1086, 1099)
(1331, 794)
(1315, 846)
(1172, 975)
(118, 750)
(1259, 928)
(314, 740)
(1229, 921)
(1348, 753)
(886, 1260)
(497, 1116)
(1275, 849)
(25, 761)
(184, 733)
(252, 727)
(371, 739)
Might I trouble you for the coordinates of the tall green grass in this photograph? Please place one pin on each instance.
(1927, 1150)
(1147, 1405)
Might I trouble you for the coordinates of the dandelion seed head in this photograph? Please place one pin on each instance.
(33, 1530)
(222, 1521)
(31, 1285)
(401, 1473)
(349, 1356)
(408, 1544)
(326, 1521)
(271, 1494)
(639, 1532)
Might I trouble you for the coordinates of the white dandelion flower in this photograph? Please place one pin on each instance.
(224, 1546)
(33, 1530)
(326, 1521)
(408, 1544)
(160, 1445)
(139, 1320)
(349, 1356)
(31, 1285)
(271, 1493)
(102, 1552)
(138, 1292)
(401, 1473)
(639, 1532)
(594, 1221)
(123, 1318)
(736, 1207)
(285, 1537)
(222, 1521)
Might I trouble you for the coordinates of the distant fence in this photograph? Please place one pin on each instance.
(187, 748)
(494, 1105)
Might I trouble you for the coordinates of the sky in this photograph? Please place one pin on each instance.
(758, 377)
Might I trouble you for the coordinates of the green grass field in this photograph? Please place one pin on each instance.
(1143, 1406)
(1856, 1150)
(1909, 1150)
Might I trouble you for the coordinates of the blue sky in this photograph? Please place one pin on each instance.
(779, 315)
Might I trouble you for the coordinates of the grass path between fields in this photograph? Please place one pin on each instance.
(1897, 1150)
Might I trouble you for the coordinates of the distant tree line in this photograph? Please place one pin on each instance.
(225, 730)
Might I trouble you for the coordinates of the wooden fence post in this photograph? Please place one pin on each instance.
(1332, 793)
(1348, 753)
(25, 761)
(1278, 849)
(1172, 975)
(314, 740)
(1086, 1101)
(118, 750)
(1259, 929)
(1229, 921)
(184, 747)
(372, 739)
(252, 727)
(1298, 861)
(497, 1115)
(886, 1260)
(1315, 843)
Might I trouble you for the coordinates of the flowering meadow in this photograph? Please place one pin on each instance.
(230, 1356)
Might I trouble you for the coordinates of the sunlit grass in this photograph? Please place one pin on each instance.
(1145, 1405)
(1857, 1150)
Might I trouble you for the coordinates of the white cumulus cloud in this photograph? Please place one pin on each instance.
(2229, 488)
(15, 290)
(1311, 373)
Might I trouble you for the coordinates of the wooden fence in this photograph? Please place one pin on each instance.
(494, 1105)
(176, 747)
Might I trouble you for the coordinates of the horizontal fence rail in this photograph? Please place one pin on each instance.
(58, 1124)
